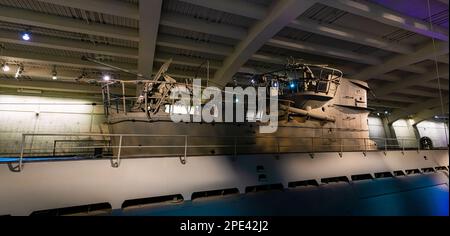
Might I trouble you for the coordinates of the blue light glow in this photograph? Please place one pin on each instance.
(26, 36)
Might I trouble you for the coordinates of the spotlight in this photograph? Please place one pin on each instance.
(252, 81)
(436, 117)
(26, 36)
(275, 84)
(386, 112)
(54, 74)
(378, 114)
(106, 77)
(5, 67)
(292, 85)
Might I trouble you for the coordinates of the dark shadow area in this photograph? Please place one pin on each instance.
(361, 177)
(311, 182)
(86, 210)
(335, 179)
(214, 193)
(412, 171)
(383, 175)
(264, 188)
(145, 202)
(428, 170)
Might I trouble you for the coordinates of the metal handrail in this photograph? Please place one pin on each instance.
(235, 145)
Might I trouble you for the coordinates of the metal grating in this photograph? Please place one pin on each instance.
(265, 3)
(439, 18)
(196, 36)
(70, 35)
(183, 53)
(189, 53)
(206, 14)
(88, 16)
(65, 53)
(322, 13)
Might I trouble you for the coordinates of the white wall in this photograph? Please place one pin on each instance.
(436, 131)
(404, 131)
(376, 130)
(35, 114)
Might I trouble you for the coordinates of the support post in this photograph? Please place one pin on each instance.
(22, 147)
(123, 98)
(403, 146)
(365, 147)
(117, 162)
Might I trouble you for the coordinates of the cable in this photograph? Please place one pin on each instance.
(437, 71)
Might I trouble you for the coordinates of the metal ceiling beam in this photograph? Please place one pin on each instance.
(415, 108)
(414, 69)
(399, 99)
(386, 104)
(418, 92)
(443, 59)
(149, 12)
(56, 86)
(69, 44)
(67, 75)
(23, 56)
(396, 62)
(349, 35)
(85, 47)
(386, 16)
(237, 7)
(187, 44)
(322, 50)
(184, 22)
(192, 24)
(255, 11)
(115, 8)
(444, 85)
(45, 73)
(429, 113)
(223, 50)
(189, 23)
(408, 82)
(186, 61)
(278, 17)
(32, 18)
(173, 20)
(274, 59)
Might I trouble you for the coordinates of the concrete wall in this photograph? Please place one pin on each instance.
(405, 133)
(436, 131)
(36, 114)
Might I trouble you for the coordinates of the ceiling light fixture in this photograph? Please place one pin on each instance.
(25, 36)
(54, 73)
(5, 67)
(106, 77)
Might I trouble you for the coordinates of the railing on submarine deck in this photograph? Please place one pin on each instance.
(123, 103)
(235, 145)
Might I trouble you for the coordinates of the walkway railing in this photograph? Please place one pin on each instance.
(114, 145)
